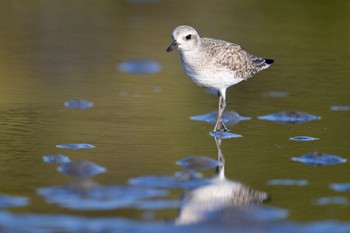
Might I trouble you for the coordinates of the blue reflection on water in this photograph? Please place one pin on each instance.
(76, 146)
(228, 117)
(8, 201)
(89, 195)
(139, 66)
(289, 117)
(342, 187)
(56, 158)
(167, 182)
(331, 201)
(81, 169)
(224, 135)
(319, 158)
(78, 104)
(287, 182)
(277, 94)
(340, 108)
(198, 163)
(261, 219)
(303, 138)
(156, 204)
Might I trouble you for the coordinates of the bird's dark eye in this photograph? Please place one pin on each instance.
(188, 37)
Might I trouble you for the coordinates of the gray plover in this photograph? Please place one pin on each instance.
(215, 63)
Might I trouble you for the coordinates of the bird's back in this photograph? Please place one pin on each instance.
(232, 57)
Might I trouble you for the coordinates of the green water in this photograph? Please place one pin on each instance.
(54, 51)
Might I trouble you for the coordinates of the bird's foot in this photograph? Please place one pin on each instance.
(224, 128)
(220, 128)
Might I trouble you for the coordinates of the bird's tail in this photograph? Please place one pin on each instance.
(261, 63)
(268, 61)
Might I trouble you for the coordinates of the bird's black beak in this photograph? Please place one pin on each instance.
(172, 46)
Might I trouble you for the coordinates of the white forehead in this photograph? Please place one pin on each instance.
(183, 30)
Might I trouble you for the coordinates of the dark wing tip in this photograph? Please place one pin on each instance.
(268, 61)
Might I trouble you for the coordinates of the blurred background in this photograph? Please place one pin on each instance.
(55, 51)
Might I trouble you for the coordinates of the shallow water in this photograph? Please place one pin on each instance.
(138, 123)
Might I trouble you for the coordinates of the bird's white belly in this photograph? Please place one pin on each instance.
(219, 79)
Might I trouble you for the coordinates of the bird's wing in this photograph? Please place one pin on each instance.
(233, 57)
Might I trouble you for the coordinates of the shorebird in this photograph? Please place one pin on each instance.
(215, 63)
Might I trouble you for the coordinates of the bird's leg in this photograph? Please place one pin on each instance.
(222, 109)
(219, 123)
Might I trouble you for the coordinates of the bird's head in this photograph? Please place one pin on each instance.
(185, 38)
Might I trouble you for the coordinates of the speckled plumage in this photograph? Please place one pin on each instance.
(214, 63)
(231, 56)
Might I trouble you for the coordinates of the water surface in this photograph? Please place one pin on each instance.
(139, 123)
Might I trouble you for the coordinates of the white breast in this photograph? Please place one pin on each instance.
(204, 74)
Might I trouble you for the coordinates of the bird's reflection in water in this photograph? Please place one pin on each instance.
(197, 204)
